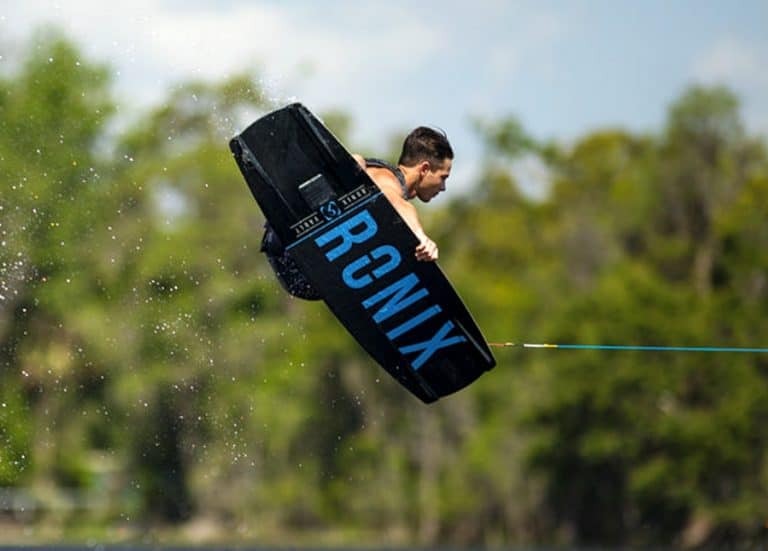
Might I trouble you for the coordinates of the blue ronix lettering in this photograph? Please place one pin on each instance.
(358, 229)
(399, 301)
(355, 281)
(428, 348)
(413, 322)
(397, 296)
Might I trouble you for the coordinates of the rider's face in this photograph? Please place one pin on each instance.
(433, 179)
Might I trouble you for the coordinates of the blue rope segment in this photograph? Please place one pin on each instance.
(633, 347)
(662, 348)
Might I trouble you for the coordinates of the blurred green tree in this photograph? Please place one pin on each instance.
(148, 358)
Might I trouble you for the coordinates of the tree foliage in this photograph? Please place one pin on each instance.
(150, 365)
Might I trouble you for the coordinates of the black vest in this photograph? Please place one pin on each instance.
(378, 163)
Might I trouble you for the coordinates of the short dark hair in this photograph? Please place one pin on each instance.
(425, 144)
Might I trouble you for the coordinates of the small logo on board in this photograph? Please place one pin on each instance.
(330, 210)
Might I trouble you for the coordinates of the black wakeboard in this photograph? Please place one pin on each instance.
(359, 254)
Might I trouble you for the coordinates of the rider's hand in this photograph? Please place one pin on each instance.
(426, 250)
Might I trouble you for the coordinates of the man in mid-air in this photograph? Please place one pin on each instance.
(424, 166)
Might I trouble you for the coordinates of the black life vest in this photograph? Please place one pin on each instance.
(378, 163)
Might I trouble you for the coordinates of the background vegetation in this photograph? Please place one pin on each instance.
(157, 385)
